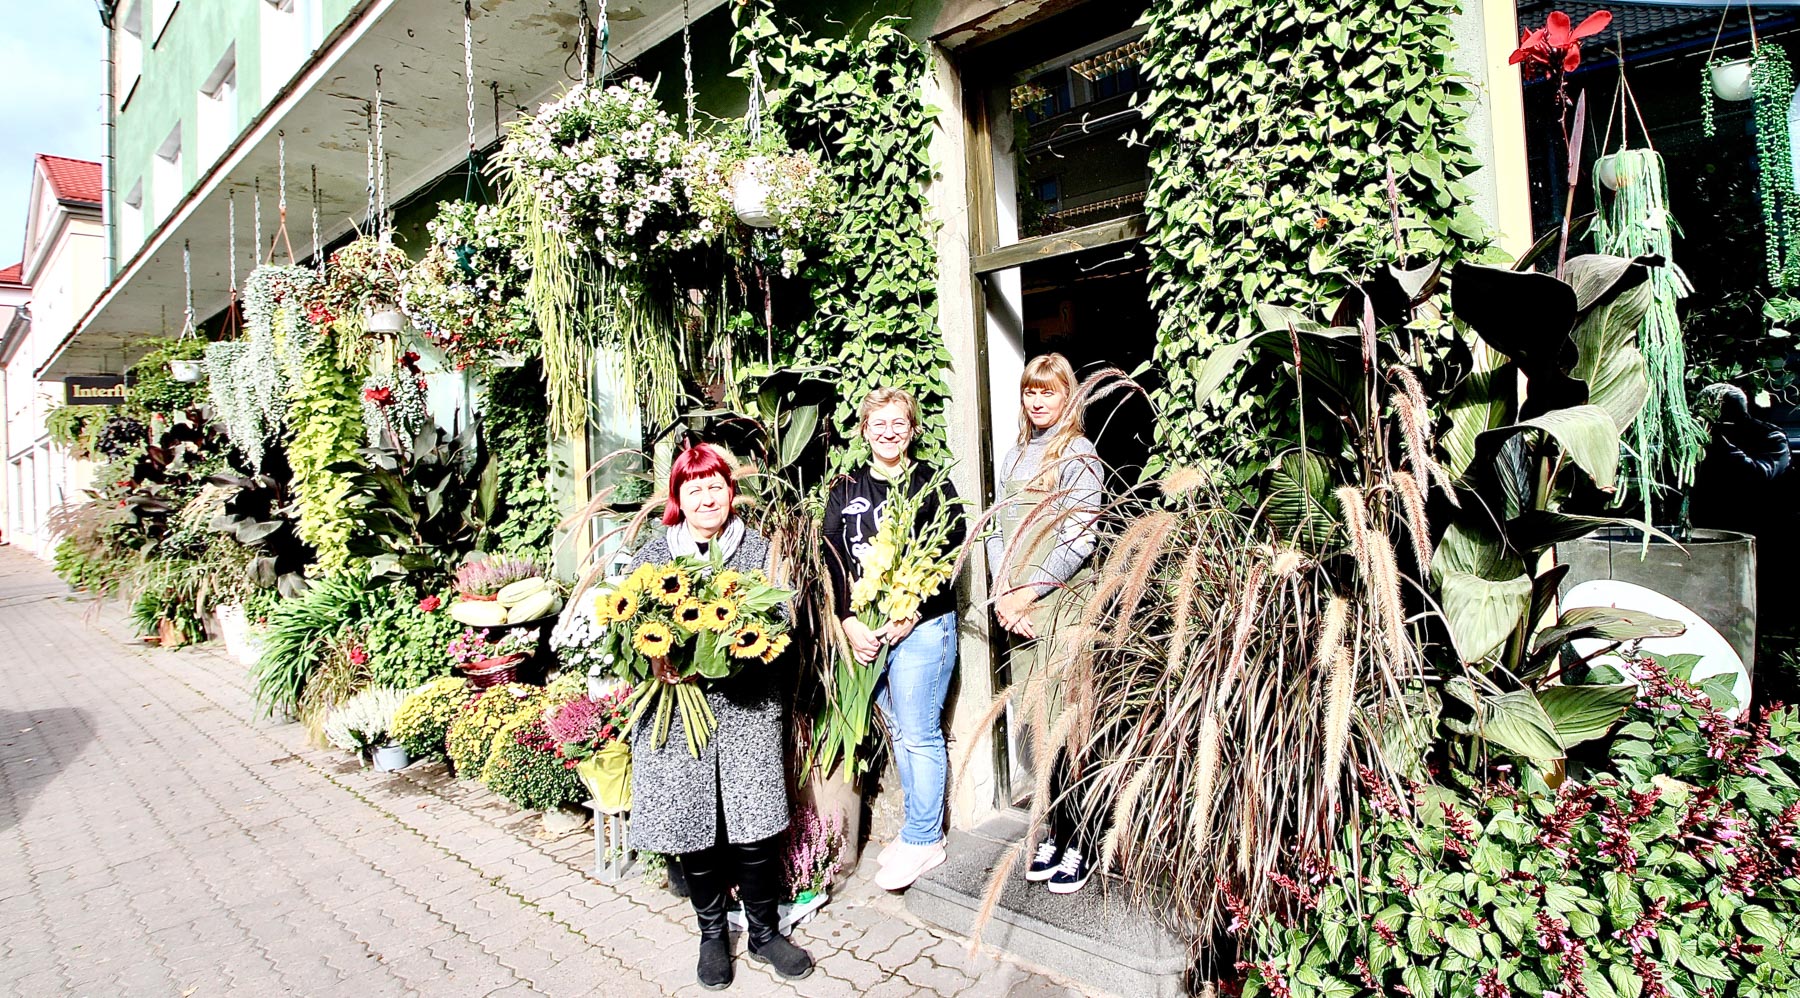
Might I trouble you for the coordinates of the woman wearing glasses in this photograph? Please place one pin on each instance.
(910, 694)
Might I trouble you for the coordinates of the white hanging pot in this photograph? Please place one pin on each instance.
(750, 194)
(1731, 80)
(186, 371)
(507, 360)
(383, 320)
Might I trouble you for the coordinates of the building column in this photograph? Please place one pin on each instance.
(1487, 31)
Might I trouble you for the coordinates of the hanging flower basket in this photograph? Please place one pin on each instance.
(187, 372)
(750, 193)
(383, 320)
(1731, 80)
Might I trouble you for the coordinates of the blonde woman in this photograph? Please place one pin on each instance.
(910, 694)
(1051, 492)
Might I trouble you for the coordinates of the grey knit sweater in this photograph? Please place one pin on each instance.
(1078, 494)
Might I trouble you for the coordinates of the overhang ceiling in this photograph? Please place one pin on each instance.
(527, 46)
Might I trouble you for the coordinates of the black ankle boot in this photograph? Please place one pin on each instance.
(706, 891)
(760, 885)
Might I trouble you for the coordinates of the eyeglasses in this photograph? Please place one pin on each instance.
(897, 426)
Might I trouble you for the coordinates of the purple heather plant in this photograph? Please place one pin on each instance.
(812, 850)
(490, 575)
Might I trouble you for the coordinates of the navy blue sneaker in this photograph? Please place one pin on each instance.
(1072, 873)
(1043, 863)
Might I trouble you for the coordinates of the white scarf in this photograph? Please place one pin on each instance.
(683, 544)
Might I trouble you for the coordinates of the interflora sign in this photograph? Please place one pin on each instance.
(104, 389)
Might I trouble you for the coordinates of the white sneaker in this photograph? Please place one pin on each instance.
(889, 851)
(909, 863)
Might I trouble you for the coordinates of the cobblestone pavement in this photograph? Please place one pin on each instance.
(157, 837)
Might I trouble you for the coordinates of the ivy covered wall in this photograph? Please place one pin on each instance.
(1272, 128)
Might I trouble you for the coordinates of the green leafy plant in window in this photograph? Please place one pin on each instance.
(1272, 129)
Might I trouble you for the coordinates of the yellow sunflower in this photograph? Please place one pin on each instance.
(749, 642)
(690, 615)
(670, 585)
(728, 582)
(719, 615)
(617, 606)
(603, 609)
(653, 639)
(777, 645)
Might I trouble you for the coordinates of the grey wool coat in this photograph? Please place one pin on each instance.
(676, 798)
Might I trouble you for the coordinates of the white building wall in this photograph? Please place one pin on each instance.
(70, 270)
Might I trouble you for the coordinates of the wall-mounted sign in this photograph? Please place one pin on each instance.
(104, 389)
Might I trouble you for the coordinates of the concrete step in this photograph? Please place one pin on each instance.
(1092, 936)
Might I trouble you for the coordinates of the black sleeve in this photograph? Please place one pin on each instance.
(959, 515)
(837, 550)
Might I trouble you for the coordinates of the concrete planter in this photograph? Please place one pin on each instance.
(1715, 576)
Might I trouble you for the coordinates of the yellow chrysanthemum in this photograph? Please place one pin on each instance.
(749, 642)
(670, 585)
(777, 645)
(728, 582)
(653, 639)
(690, 615)
(719, 615)
(619, 605)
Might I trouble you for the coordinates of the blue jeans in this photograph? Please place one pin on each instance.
(911, 697)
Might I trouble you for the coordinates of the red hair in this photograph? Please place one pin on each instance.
(698, 461)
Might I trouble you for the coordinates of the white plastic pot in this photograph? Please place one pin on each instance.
(234, 627)
(1607, 169)
(386, 320)
(1731, 80)
(391, 758)
(750, 195)
(186, 371)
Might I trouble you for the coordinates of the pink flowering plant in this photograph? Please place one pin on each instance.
(813, 845)
(477, 645)
(585, 725)
(1626, 884)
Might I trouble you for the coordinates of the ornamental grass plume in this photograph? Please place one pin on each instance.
(1261, 677)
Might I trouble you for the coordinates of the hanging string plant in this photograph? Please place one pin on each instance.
(1635, 221)
(251, 377)
(1771, 90)
(1767, 80)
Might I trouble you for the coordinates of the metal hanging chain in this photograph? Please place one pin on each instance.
(605, 36)
(231, 234)
(753, 112)
(581, 42)
(256, 232)
(369, 150)
(318, 258)
(281, 229)
(494, 85)
(187, 279)
(687, 66)
(469, 66)
(380, 164)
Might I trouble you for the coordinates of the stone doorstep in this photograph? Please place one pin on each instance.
(1100, 941)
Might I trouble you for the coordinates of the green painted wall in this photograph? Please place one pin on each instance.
(174, 66)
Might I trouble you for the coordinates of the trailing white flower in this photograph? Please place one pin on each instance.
(393, 405)
(251, 377)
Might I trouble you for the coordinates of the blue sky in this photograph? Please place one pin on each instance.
(52, 73)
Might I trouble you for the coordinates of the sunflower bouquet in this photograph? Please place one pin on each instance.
(906, 564)
(710, 622)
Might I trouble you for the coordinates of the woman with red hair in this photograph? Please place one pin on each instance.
(721, 814)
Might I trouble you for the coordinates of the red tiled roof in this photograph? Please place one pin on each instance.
(72, 179)
(13, 274)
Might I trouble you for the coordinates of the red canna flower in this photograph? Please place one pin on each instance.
(430, 603)
(380, 396)
(1557, 44)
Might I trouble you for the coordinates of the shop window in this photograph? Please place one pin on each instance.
(217, 118)
(166, 187)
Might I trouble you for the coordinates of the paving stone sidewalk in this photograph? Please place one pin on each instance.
(158, 837)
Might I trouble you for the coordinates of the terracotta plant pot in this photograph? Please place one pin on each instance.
(168, 635)
(476, 597)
